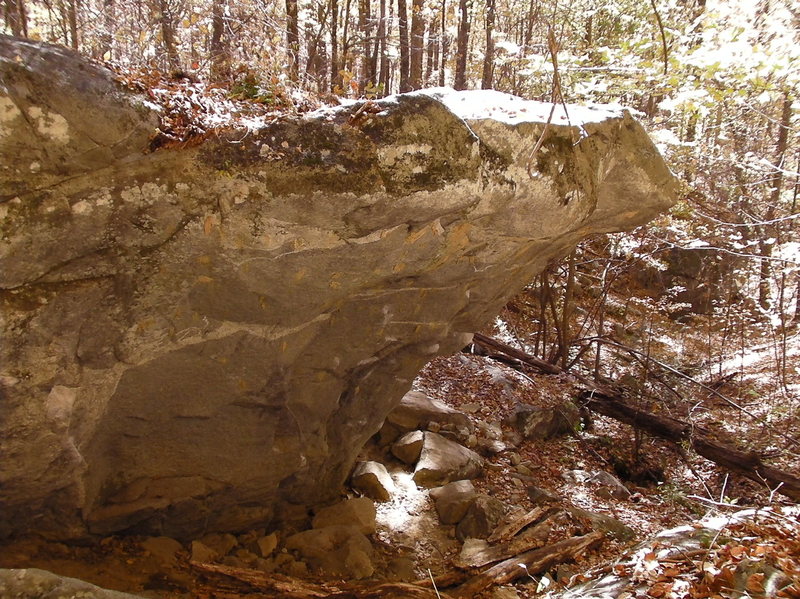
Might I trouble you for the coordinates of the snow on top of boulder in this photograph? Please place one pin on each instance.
(513, 110)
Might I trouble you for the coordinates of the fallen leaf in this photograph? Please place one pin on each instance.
(755, 583)
(737, 551)
(659, 589)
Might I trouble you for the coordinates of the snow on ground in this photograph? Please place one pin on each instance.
(513, 110)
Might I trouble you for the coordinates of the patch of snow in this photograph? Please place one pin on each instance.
(513, 110)
(401, 513)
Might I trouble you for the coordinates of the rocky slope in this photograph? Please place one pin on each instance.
(202, 338)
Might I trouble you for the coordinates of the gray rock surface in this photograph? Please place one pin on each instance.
(221, 544)
(610, 484)
(442, 461)
(164, 548)
(335, 550)
(604, 523)
(417, 411)
(543, 423)
(452, 500)
(32, 583)
(408, 448)
(200, 552)
(202, 339)
(541, 496)
(267, 544)
(359, 512)
(373, 480)
(482, 517)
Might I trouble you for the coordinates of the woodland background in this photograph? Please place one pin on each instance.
(714, 81)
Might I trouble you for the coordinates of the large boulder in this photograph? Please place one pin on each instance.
(418, 411)
(359, 513)
(543, 423)
(202, 338)
(442, 461)
(32, 583)
(453, 500)
(341, 551)
(481, 518)
(373, 480)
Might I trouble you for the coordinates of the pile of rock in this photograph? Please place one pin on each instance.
(442, 449)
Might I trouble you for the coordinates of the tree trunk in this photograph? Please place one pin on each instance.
(316, 61)
(462, 45)
(417, 41)
(775, 185)
(293, 40)
(434, 47)
(402, 19)
(367, 73)
(429, 52)
(383, 70)
(167, 22)
(72, 18)
(220, 53)
(566, 311)
(16, 17)
(104, 51)
(488, 59)
(444, 40)
(336, 78)
(344, 60)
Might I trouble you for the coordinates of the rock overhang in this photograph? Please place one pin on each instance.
(198, 338)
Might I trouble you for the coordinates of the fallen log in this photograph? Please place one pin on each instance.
(233, 583)
(748, 464)
(526, 564)
(508, 529)
(512, 352)
(530, 538)
(609, 402)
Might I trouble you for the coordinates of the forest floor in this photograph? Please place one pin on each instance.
(669, 485)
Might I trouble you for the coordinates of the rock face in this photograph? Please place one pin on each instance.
(199, 339)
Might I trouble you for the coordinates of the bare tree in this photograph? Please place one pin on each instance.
(462, 45)
(417, 39)
(444, 40)
(16, 17)
(336, 78)
(402, 16)
(219, 48)
(106, 44)
(488, 59)
(365, 29)
(432, 51)
(166, 19)
(381, 47)
(775, 184)
(293, 39)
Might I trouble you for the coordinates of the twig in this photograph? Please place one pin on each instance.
(722, 491)
(663, 35)
(555, 94)
(433, 582)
